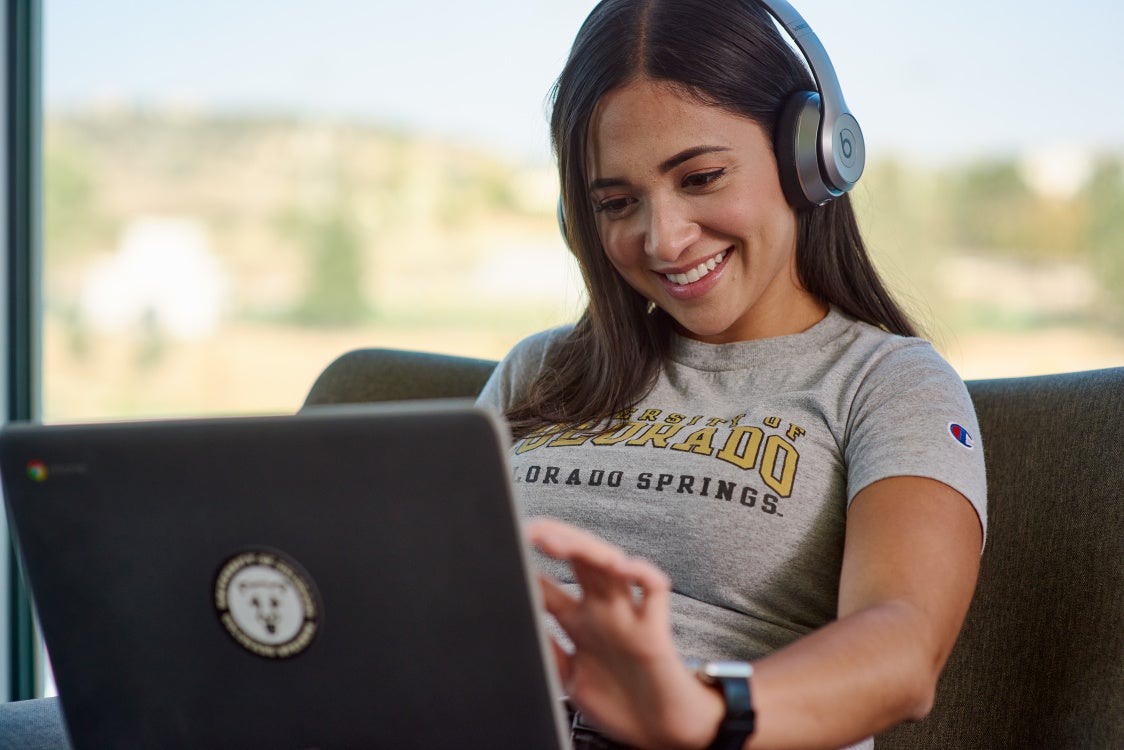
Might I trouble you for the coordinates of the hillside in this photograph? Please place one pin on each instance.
(189, 255)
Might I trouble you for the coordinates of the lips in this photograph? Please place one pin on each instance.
(698, 272)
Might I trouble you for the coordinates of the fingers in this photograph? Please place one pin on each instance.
(564, 542)
(652, 581)
(560, 605)
(602, 570)
(563, 661)
(555, 598)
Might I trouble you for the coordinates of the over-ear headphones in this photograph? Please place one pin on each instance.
(818, 142)
(819, 145)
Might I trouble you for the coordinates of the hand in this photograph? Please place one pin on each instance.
(624, 672)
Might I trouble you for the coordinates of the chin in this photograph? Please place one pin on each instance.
(715, 333)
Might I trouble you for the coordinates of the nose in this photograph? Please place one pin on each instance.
(670, 229)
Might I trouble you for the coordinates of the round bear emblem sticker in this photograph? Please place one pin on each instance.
(267, 603)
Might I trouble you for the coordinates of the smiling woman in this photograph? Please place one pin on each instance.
(230, 200)
(796, 573)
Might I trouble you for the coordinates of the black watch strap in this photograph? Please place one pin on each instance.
(732, 678)
(739, 721)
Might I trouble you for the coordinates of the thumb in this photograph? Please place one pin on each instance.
(563, 661)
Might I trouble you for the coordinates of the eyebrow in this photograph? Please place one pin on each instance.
(665, 166)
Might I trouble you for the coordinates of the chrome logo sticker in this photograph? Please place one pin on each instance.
(267, 603)
(37, 471)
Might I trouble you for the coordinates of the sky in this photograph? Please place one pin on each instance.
(928, 81)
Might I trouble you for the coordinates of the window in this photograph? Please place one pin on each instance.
(235, 193)
(231, 200)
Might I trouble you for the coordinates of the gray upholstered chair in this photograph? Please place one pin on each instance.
(366, 375)
(1040, 663)
(32, 725)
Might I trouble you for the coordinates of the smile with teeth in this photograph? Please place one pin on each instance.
(696, 273)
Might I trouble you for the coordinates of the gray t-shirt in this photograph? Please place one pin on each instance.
(735, 472)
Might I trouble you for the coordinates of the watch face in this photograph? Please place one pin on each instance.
(720, 669)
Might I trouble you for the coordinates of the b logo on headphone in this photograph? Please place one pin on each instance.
(848, 152)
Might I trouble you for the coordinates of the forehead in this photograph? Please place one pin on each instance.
(643, 123)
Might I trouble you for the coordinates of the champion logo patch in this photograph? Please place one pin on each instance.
(961, 435)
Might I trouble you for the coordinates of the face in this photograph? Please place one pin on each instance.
(690, 212)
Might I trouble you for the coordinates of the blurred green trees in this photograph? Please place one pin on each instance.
(1104, 233)
(333, 292)
(388, 189)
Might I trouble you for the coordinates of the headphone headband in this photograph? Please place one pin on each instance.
(839, 140)
(820, 147)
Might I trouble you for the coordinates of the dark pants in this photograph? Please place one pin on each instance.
(585, 737)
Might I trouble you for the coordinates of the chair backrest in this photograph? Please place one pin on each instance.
(367, 375)
(1040, 662)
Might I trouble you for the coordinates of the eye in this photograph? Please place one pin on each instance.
(614, 206)
(703, 179)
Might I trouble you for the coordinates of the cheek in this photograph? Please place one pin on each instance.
(627, 267)
(622, 268)
(765, 223)
(784, 233)
(618, 246)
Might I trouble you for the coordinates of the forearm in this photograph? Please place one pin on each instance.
(904, 591)
(848, 680)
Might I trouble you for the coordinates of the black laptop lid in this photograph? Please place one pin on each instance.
(343, 578)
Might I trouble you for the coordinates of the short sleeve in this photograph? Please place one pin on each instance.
(514, 375)
(912, 416)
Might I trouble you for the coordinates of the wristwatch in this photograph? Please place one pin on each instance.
(732, 677)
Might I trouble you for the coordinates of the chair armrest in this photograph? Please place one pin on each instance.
(33, 725)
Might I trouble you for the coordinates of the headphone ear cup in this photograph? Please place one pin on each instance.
(797, 151)
(562, 222)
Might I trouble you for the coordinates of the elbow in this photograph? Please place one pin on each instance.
(927, 657)
(921, 694)
(921, 703)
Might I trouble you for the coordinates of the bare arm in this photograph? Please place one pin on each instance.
(909, 569)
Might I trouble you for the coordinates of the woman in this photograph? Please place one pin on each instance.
(742, 405)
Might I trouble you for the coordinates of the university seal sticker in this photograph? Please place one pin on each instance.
(267, 603)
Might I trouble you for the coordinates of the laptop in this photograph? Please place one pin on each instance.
(345, 577)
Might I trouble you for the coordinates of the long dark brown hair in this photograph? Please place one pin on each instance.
(724, 53)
